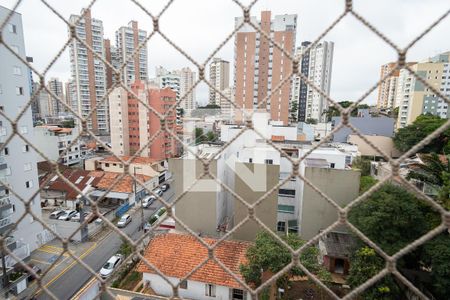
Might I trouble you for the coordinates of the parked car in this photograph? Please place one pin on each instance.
(124, 221)
(158, 192)
(157, 215)
(67, 215)
(56, 214)
(165, 187)
(76, 217)
(110, 265)
(147, 201)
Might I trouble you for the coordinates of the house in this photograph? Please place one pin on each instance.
(335, 249)
(384, 143)
(176, 255)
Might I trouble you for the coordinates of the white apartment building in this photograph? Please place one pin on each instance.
(18, 167)
(172, 80)
(316, 65)
(56, 87)
(53, 142)
(226, 108)
(251, 148)
(219, 77)
(88, 73)
(414, 98)
(44, 107)
(128, 39)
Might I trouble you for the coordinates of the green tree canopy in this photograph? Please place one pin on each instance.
(199, 136)
(366, 263)
(392, 217)
(268, 255)
(407, 137)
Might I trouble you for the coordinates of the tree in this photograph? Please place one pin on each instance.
(435, 172)
(392, 217)
(210, 136)
(294, 111)
(365, 263)
(199, 136)
(365, 183)
(68, 124)
(362, 164)
(311, 121)
(436, 255)
(268, 255)
(409, 136)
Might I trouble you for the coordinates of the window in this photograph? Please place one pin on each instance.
(183, 285)
(25, 148)
(12, 28)
(332, 165)
(19, 90)
(268, 161)
(23, 129)
(27, 166)
(286, 192)
(107, 165)
(17, 70)
(289, 209)
(29, 184)
(6, 151)
(210, 290)
(250, 160)
(237, 294)
(281, 226)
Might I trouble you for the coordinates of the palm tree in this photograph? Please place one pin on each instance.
(431, 169)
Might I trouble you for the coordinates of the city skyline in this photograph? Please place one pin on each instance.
(346, 85)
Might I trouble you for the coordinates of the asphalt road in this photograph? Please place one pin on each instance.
(72, 279)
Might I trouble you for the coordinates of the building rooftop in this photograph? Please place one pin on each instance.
(175, 255)
(124, 185)
(136, 160)
(338, 244)
(316, 163)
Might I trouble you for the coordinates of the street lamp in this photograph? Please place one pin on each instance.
(135, 196)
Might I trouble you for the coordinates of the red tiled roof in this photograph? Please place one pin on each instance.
(125, 185)
(136, 160)
(79, 178)
(176, 255)
(278, 138)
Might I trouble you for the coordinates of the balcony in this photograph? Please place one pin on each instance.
(5, 224)
(3, 164)
(5, 202)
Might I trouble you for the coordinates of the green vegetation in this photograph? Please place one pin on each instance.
(68, 124)
(362, 164)
(311, 121)
(424, 125)
(365, 183)
(125, 249)
(153, 220)
(334, 112)
(392, 218)
(267, 255)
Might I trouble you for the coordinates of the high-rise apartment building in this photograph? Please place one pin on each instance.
(219, 77)
(133, 125)
(187, 80)
(89, 73)
(69, 92)
(18, 167)
(56, 87)
(414, 98)
(112, 57)
(128, 39)
(167, 79)
(260, 66)
(226, 108)
(315, 64)
(387, 90)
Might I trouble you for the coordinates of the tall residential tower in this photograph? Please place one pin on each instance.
(219, 77)
(260, 66)
(89, 73)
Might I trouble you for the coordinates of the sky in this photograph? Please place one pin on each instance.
(200, 26)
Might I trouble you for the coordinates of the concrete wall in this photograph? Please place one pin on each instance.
(265, 211)
(195, 289)
(386, 144)
(197, 208)
(316, 213)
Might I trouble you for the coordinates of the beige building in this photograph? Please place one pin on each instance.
(387, 90)
(384, 143)
(316, 213)
(260, 67)
(414, 98)
(219, 77)
(223, 210)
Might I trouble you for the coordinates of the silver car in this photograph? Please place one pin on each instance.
(124, 221)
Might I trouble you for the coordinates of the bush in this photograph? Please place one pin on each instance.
(153, 220)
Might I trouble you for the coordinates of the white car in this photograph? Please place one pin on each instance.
(56, 214)
(165, 187)
(76, 217)
(67, 215)
(147, 201)
(158, 192)
(110, 265)
(124, 220)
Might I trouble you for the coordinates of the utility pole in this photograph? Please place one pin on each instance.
(84, 228)
(135, 197)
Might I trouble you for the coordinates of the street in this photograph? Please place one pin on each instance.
(71, 279)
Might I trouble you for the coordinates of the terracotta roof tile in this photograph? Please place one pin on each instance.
(176, 255)
(136, 160)
(278, 138)
(125, 185)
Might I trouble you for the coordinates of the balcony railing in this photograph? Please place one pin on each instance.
(5, 222)
(4, 200)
